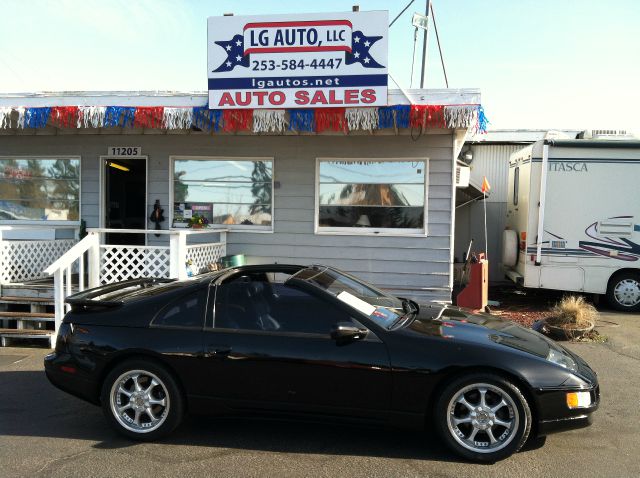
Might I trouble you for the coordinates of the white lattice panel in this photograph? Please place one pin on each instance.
(204, 254)
(118, 263)
(25, 260)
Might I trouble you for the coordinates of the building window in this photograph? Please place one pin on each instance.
(39, 189)
(232, 192)
(372, 196)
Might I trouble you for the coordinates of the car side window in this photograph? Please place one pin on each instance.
(274, 307)
(185, 311)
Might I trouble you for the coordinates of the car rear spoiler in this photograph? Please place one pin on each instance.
(87, 298)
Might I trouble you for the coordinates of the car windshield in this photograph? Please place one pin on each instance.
(382, 308)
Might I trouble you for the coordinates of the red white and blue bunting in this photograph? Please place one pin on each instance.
(416, 117)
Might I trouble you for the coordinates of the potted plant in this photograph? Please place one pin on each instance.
(198, 221)
(571, 318)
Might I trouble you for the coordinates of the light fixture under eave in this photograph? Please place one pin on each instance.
(118, 166)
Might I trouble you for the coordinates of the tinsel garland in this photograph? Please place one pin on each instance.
(36, 117)
(396, 116)
(64, 116)
(362, 118)
(236, 120)
(427, 116)
(259, 121)
(206, 119)
(21, 116)
(119, 116)
(483, 121)
(460, 116)
(269, 121)
(330, 119)
(5, 117)
(302, 120)
(91, 116)
(177, 118)
(148, 117)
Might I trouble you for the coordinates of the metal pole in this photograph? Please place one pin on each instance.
(424, 46)
(400, 14)
(486, 251)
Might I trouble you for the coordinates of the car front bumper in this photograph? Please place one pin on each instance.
(554, 414)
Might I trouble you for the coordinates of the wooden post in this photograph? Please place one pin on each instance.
(178, 255)
(223, 240)
(94, 260)
(58, 294)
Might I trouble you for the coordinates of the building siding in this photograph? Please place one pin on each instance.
(414, 266)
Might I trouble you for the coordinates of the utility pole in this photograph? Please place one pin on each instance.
(424, 46)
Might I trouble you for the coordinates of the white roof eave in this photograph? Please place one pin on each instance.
(449, 96)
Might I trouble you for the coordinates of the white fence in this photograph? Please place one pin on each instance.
(24, 259)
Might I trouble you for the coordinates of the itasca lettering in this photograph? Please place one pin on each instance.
(575, 167)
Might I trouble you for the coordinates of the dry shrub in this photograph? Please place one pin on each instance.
(573, 312)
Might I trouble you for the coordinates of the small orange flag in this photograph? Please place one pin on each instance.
(486, 187)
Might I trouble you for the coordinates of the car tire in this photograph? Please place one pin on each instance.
(482, 417)
(623, 292)
(142, 400)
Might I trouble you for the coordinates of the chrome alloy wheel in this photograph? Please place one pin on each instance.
(139, 401)
(627, 292)
(482, 418)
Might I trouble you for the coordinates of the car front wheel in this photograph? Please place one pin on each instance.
(142, 400)
(483, 417)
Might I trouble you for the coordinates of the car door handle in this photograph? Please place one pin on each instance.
(218, 351)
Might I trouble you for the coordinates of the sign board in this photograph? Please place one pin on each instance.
(420, 21)
(124, 151)
(298, 61)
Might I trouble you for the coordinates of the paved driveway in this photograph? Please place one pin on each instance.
(44, 432)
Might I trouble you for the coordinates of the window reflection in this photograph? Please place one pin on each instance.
(41, 189)
(372, 194)
(226, 192)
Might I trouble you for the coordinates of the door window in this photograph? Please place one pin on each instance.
(274, 307)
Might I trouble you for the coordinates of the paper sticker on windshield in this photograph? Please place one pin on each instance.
(356, 303)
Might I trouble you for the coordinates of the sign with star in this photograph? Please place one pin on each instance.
(298, 61)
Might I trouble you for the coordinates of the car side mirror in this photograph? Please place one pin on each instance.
(347, 331)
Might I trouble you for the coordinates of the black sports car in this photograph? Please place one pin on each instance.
(314, 342)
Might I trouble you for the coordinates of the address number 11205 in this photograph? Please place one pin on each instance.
(125, 151)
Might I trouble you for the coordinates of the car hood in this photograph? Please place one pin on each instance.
(459, 325)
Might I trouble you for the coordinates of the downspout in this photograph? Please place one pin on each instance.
(543, 195)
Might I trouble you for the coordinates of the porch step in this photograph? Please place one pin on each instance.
(36, 316)
(6, 299)
(25, 334)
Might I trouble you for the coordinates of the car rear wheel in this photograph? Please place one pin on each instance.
(623, 292)
(142, 400)
(483, 417)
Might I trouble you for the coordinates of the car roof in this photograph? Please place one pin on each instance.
(213, 276)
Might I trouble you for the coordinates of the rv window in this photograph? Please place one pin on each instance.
(516, 181)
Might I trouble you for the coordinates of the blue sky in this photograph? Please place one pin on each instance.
(539, 64)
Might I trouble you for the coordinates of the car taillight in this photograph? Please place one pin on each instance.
(64, 332)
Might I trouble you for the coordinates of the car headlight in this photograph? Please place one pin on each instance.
(562, 359)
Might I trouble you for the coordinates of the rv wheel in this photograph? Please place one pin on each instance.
(623, 292)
